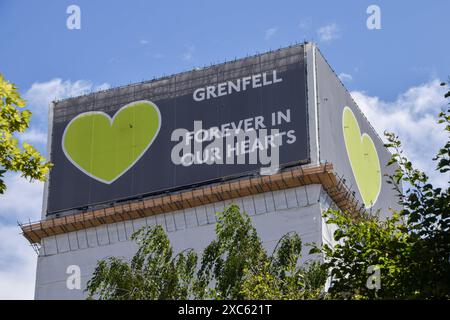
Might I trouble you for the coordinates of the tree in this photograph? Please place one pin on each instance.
(411, 248)
(153, 273)
(14, 119)
(234, 265)
(237, 247)
(282, 277)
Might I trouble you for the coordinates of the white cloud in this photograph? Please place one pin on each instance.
(270, 32)
(305, 24)
(345, 77)
(42, 93)
(17, 265)
(101, 87)
(12, 204)
(412, 116)
(329, 32)
(33, 136)
(188, 55)
(143, 42)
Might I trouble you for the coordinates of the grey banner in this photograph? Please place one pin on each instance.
(264, 91)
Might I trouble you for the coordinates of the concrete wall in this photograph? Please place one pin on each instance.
(273, 214)
(332, 97)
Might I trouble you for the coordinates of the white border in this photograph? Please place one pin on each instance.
(348, 155)
(45, 194)
(111, 121)
(316, 106)
(312, 105)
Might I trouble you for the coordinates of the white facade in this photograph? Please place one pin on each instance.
(273, 214)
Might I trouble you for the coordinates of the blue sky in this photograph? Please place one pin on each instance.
(393, 73)
(127, 41)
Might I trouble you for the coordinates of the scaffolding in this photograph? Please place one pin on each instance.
(322, 174)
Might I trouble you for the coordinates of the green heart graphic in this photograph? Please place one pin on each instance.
(363, 158)
(105, 148)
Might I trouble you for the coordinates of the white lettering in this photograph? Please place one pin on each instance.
(254, 81)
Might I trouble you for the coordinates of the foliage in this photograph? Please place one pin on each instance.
(153, 273)
(282, 277)
(236, 248)
(240, 268)
(14, 119)
(411, 247)
(234, 265)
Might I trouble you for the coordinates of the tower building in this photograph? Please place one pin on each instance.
(276, 133)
